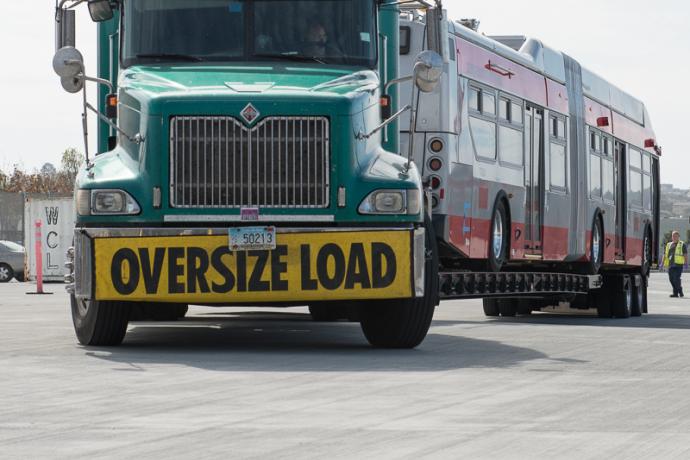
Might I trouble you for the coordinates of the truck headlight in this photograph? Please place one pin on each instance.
(406, 201)
(106, 202)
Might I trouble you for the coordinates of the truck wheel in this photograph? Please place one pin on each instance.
(507, 307)
(491, 307)
(100, 323)
(405, 323)
(622, 300)
(19, 277)
(6, 273)
(499, 238)
(639, 301)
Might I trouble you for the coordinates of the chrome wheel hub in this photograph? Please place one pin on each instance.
(497, 235)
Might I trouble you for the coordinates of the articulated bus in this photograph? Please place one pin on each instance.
(536, 164)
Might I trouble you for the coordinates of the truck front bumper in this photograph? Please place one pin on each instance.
(196, 265)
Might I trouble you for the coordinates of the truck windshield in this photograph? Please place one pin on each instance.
(339, 32)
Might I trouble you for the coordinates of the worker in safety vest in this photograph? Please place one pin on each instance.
(675, 258)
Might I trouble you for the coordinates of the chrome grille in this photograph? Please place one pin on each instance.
(217, 162)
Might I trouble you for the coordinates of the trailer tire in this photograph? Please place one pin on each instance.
(524, 307)
(499, 238)
(405, 323)
(622, 299)
(507, 307)
(596, 246)
(100, 323)
(639, 305)
(490, 307)
(600, 300)
(6, 273)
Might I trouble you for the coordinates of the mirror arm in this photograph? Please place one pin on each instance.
(137, 139)
(361, 136)
(395, 82)
(98, 80)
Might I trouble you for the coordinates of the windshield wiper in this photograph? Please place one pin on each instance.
(171, 56)
(290, 57)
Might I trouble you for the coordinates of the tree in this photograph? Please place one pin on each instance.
(72, 161)
(48, 169)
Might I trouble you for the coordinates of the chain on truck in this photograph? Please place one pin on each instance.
(243, 161)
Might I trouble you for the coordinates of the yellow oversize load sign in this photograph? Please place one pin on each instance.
(302, 267)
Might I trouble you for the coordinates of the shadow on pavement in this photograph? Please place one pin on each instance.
(293, 343)
(649, 321)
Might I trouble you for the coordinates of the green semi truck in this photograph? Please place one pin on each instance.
(248, 155)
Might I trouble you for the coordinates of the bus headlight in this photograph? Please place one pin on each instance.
(407, 201)
(106, 202)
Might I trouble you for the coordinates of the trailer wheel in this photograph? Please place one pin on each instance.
(507, 307)
(100, 323)
(596, 247)
(6, 273)
(622, 299)
(639, 305)
(600, 300)
(499, 238)
(405, 323)
(524, 307)
(491, 307)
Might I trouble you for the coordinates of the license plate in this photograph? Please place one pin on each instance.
(250, 238)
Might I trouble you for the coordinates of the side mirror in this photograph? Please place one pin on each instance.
(65, 34)
(68, 62)
(428, 69)
(100, 10)
(72, 84)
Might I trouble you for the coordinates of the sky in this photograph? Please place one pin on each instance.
(640, 46)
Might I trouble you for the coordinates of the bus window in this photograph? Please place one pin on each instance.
(515, 113)
(646, 163)
(484, 136)
(474, 99)
(558, 165)
(635, 196)
(607, 179)
(635, 159)
(488, 103)
(504, 109)
(510, 145)
(647, 191)
(405, 33)
(595, 176)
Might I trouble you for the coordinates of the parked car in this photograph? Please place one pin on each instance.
(11, 261)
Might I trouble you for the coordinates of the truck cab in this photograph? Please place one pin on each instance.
(243, 159)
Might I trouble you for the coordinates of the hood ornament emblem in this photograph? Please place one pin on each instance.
(250, 114)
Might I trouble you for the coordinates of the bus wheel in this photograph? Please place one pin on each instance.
(639, 301)
(100, 323)
(596, 249)
(622, 299)
(491, 307)
(404, 323)
(498, 241)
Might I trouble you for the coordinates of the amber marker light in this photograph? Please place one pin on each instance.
(435, 164)
(436, 145)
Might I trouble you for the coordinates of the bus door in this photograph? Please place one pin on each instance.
(620, 198)
(534, 180)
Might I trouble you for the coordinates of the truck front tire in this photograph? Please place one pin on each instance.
(405, 323)
(100, 323)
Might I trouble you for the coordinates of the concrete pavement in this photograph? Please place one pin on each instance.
(257, 383)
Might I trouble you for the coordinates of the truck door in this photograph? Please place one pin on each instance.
(534, 180)
(620, 198)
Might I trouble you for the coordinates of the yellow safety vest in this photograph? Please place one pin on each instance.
(678, 257)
